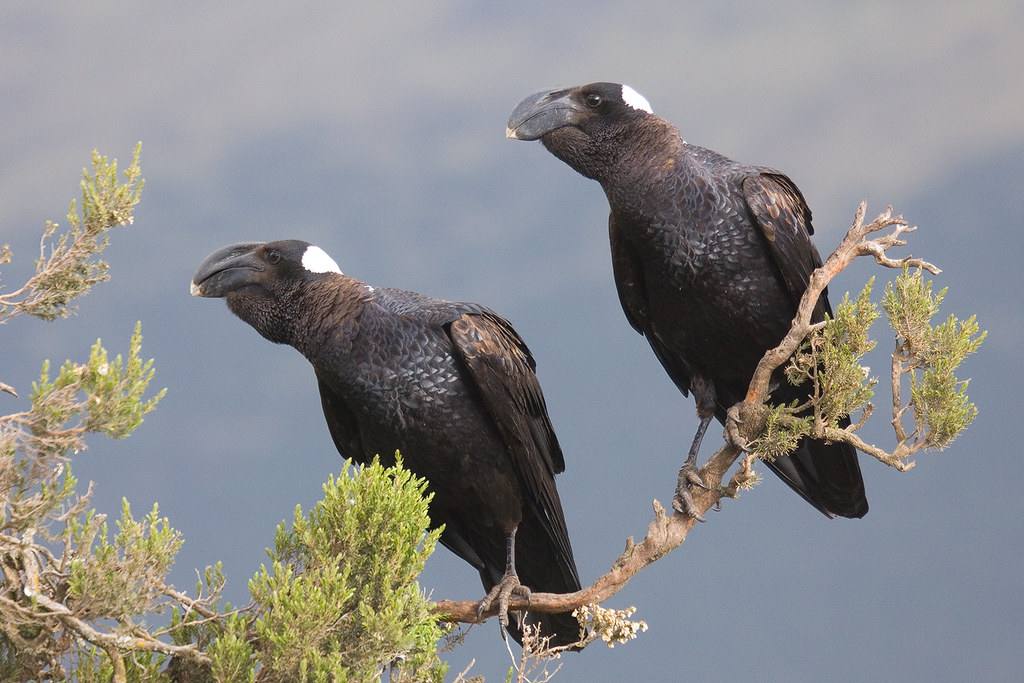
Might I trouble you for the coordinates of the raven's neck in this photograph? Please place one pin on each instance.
(328, 315)
(311, 316)
(641, 181)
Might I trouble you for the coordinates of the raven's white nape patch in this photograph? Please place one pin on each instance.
(636, 100)
(316, 260)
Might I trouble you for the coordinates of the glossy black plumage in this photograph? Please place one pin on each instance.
(449, 385)
(710, 258)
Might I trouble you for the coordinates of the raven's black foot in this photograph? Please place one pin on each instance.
(688, 478)
(503, 592)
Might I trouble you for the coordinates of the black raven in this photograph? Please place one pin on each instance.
(450, 385)
(710, 259)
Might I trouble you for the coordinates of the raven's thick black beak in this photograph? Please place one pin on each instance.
(541, 113)
(226, 270)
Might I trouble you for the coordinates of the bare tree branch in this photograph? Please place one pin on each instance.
(664, 533)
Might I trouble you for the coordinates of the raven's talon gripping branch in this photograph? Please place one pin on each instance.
(688, 478)
(684, 504)
(503, 592)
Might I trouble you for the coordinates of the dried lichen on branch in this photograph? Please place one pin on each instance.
(826, 353)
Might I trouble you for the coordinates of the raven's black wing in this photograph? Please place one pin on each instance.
(500, 366)
(502, 369)
(342, 424)
(827, 475)
(629, 283)
(783, 217)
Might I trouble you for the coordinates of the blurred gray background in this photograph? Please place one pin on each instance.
(376, 131)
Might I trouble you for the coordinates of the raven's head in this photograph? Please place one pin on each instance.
(261, 281)
(580, 125)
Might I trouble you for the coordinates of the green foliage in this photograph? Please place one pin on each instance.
(845, 386)
(232, 654)
(94, 666)
(930, 355)
(831, 359)
(69, 265)
(926, 357)
(123, 577)
(340, 601)
(910, 305)
(55, 555)
(115, 391)
(94, 577)
(97, 396)
(189, 626)
(782, 431)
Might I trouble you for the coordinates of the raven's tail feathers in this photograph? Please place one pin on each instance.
(827, 475)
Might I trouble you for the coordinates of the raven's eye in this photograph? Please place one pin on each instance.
(593, 100)
(273, 257)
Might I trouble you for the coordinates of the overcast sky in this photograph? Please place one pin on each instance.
(376, 131)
